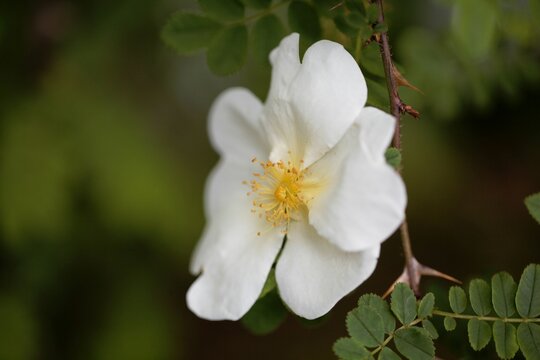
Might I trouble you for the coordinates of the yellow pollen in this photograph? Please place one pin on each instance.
(277, 192)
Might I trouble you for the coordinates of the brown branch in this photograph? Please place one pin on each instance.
(413, 270)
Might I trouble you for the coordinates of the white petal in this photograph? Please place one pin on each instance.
(364, 199)
(313, 274)
(321, 102)
(223, 187)
(234, 271)
(285, 60)
(234, 126)
(377, 128)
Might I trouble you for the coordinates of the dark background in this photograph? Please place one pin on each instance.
(104, 154)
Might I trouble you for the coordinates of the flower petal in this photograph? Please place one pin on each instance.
(223, 187)
(285, 60)
(313, 274)
(234, 126)
(364, 199)
(321, 102)
(235, 269)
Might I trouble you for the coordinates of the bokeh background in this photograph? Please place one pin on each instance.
(104, 155)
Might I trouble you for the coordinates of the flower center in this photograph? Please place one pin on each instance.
(277, 192)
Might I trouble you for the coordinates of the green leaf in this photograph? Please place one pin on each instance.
(403, 303)
(356, 20)
(365, 325)
(344, 26)
(355, 6)
(270, 283)
(449, 323)
(186, 32)
(458, 299)
(228, 50)
(528, 292)
(480, 296)
(533, 205)
(303, 19)
(350, 349)
(425, 308)
(372, 13)
(266, 315)
(528, 337)
(380, 28)
(479, 333)
(370, 59)
(223, 9)
(257, 4)
(393, 157)
(414, 343)
(266, 35)
(504, 335)
(382, 308)
(503, 294)
(430, 328)
(388, 354)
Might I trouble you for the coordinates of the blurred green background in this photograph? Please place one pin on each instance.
(104, 154)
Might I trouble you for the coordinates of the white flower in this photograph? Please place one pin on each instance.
(308, 164)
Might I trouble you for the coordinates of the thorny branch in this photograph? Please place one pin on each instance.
(413, 269)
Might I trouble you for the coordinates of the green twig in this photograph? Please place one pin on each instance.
(484, 318)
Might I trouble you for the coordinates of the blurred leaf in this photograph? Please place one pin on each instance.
(430, 328)
(365, 325)
(528, 337)
(380, 28)
(473, 26)
(504, 336)
(303, 19)
(403, 303)
(270, 283)
(266, 315)
(18, 340)
(370, 59)
(355, 6)
(528, 292)
(393, 157)
(533, 205)
(388, 354)
(355, 20)
(503, 294)
(458, 299)
(329, 8)
(223, 9)
(449, 323)
(227, 52)
(480, 297)
(372, 13)
(343, 25)
(377, 94)
(414, 343)
(350, 349)
(479, 333)
(381, 307)
(257, 4)
(266, 35)
(186, 32)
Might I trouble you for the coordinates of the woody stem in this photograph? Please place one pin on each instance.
(395, 109)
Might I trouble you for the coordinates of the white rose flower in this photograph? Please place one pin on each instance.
(305, 171)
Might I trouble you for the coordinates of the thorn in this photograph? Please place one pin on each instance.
(401, 81)
(419, 271)
(336, 6)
